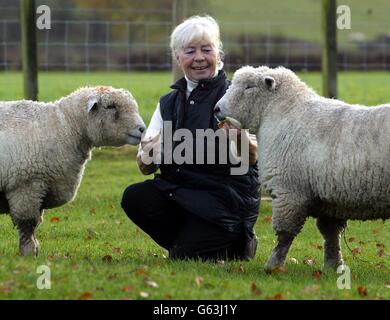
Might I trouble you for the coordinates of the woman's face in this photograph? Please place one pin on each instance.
(198, 60)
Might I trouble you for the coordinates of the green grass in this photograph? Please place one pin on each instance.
(299, 19)
(93, 227)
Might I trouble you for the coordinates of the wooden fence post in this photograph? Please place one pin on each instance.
(329, 49)
(29, 49)
(179, 13)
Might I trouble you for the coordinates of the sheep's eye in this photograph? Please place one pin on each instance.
(111, 106)
(250, 86)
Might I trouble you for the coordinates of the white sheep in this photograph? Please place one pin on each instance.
(317, 157)
(44, 148)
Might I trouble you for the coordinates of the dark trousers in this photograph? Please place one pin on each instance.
(182, 233)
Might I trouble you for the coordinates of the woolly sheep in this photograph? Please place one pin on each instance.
(318, 157)
(44, 148)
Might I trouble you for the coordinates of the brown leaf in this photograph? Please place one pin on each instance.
(362, 291)
(168, 296)
(107, 259)
(198, 280)
(141, 271)
(92, 211)
(86, 296)
(254, 289)
(357, 250)
(110, 206)
(129, 288)
(380, 245)
(276, 270)
(376, 231)
(266, 220)
(316, 274)
(381, 253)
(277, 296)
(55, 219)
(351, 239)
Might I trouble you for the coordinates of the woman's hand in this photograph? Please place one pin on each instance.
(245, 137)
(150, 148)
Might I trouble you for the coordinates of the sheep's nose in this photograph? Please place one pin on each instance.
(142, 129)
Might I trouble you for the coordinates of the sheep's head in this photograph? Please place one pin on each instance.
(251, 92)
(113, 117)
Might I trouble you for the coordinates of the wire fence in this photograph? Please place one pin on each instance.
(119, 45)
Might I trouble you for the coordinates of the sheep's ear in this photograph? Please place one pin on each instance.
(92, 104)
(270, 83)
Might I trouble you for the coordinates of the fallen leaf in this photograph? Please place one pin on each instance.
(198, 280)
(387, 285)
(376, 231)
(380, 245)
(144, 294)
(92, 211)
(276, 270)
(316, 274)
(293, 260)
(381, 253)
(110, 206)
(254, 289)
(55, 219)
(150, 283)
(107, 259)
(351, 239)
(309, 261)
(266, 220)
(141, 271)
(129, 288)
(362, 291)
(241, 269)
(357, 250)
(277, 296)
(168, 296)
(86, 296)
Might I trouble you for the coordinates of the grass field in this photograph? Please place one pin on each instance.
(300, 19)
(95, 252)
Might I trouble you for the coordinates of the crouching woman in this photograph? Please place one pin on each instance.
(196, 211)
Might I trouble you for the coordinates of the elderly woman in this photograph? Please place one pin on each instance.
(195, 210)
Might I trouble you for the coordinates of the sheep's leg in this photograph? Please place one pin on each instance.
(28, 244)
(279, 254)
(331, 229)
(288, 218)
(26, 214)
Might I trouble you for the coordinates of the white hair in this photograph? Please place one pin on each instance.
(197, 28)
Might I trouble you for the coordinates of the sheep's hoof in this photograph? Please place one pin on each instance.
(332, 265)
(274, 267)
(29, 249)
